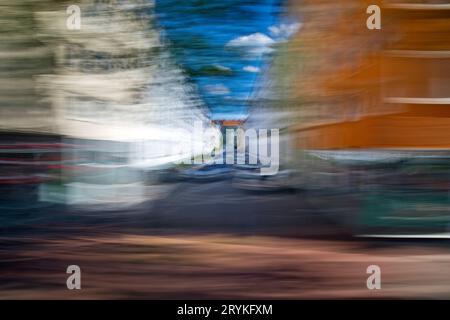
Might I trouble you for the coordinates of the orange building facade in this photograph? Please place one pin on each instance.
(359, 88)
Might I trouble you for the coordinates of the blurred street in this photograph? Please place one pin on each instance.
(233, 245)
(214, 207)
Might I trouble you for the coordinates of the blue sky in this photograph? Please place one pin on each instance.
(222, 45)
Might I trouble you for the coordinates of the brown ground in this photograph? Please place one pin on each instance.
(218, 266)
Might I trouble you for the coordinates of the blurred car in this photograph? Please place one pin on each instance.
(249, 177)
(208, 172)
(384, 199)
(413, 202)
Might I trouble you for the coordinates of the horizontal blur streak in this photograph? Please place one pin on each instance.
(132, 266)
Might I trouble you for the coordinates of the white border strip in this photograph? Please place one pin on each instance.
(407, 100)
(407, 236)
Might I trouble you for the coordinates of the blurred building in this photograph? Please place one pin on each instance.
(23, 57)
(111, 89)
(337, 87)
(368, 110)
(378, 89)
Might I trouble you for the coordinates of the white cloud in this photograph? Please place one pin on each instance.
(222, 68)
(251, 69)
(284, 30)
(253, 40)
